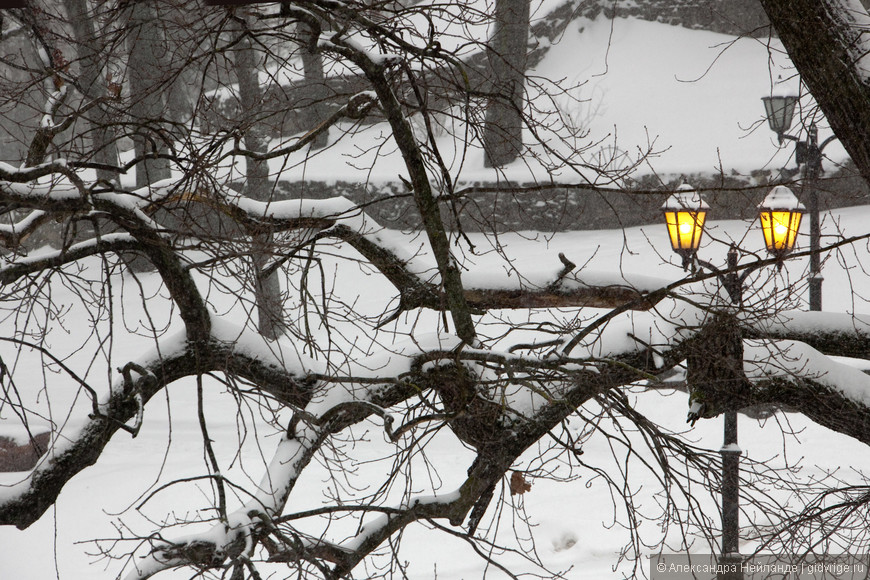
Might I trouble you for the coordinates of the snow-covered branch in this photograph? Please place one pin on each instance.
(25, 502)
(48, 129)
(796, 376)
(832, 333)
(110, 243)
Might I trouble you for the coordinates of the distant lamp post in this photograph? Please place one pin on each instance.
(808, 154)
(685, 213)
(780, 215)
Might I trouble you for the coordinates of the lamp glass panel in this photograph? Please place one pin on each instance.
(780, 111)
(685, 228)
(780, 229)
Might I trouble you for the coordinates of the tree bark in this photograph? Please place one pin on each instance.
(93, 85)
(824, 39)
(146, 46)
(451, 278)
(503, 132)
(315, 84)
(267, 288)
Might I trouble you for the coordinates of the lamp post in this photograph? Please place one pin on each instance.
(685, 214)
(779, 110)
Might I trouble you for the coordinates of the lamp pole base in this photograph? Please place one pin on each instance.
(730, 567)
(815, 283)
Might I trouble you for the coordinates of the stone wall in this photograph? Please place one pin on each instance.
(561, 209)
(564, 208)
(734, 17)
(539, 210)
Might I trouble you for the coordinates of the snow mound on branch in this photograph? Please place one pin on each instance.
(793, 360)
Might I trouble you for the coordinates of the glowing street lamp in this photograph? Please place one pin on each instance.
(780, 215)
(779, 110)
(685, 213)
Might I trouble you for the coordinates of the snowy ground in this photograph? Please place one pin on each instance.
(571, 519)
(638, 87)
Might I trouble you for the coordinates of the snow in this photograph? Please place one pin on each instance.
(47, 252)
(693, 97)
(781, 198)
(685, 198)
(337, 208)
(245, 341)
(652, 82)
(795, 359)
(571, 519)
(827, 322)
(53, 191)
(705, 91)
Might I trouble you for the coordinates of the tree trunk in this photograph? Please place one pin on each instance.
(146, 46)
(93, 83)
(503, 132)
(267, 289)
(825, 40)
(315, 86)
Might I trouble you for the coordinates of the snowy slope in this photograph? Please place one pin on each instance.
(691, 96)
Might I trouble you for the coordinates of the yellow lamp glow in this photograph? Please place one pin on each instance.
(685, 213)
(780, 215)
